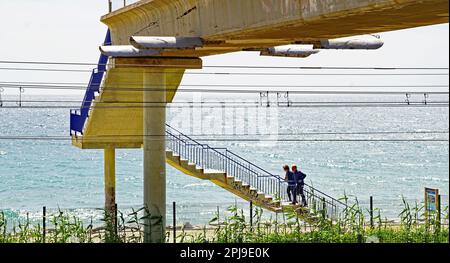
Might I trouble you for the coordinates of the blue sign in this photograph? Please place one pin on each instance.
(431, 199)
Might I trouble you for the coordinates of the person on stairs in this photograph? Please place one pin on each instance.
(300, 180)
(292, 185)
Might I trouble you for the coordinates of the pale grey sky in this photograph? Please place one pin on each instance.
(70, 31)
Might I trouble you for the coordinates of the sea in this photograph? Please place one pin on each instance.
(354, 151)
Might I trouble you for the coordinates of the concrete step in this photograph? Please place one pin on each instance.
(230, 179)
(265, 200)
(246, 186)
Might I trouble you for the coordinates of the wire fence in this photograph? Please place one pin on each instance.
(198, 215)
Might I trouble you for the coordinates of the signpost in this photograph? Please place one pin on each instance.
(431, 202)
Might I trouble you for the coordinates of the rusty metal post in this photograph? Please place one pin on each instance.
(371, 212)
(360, 238)
(324, 208)
(251, 215)
(174, 222)
(439, 211)
(44, 221)
(116, 221)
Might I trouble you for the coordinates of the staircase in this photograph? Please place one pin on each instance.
(218, 165)
(243, 178)
(78, 117)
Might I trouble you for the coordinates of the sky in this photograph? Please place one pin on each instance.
(71, 31)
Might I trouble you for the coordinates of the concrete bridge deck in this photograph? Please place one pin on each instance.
(234, 25)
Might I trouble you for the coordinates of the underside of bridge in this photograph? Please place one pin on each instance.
(121, 116)
(234, 25)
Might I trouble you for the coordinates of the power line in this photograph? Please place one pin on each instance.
(313, 92)
(326, 133)
(131, 86)
(49, 63)
(15, 84)
(46, 70)
(67, 138)
(234, 73)
(263, 102)
(330, 68)
(226, 66)
(221, 103)
(411, 105)
(82, 84)
(204, 135)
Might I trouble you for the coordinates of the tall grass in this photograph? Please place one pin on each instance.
(351, 226)
(66, 228)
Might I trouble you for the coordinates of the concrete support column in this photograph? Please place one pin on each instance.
(110, 182)
(154, 96)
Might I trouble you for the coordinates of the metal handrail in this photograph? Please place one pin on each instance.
(246, 171)
(328, 196)
(78, 117)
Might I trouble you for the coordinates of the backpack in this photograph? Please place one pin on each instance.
(301, 177)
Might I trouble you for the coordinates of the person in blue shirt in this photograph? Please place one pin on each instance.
(300, 180)
(292, 185)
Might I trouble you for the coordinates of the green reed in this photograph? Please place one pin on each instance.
(351, 226)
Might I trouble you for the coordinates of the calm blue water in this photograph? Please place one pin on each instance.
(55, 174)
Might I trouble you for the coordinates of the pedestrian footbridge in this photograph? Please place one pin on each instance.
(154, 41)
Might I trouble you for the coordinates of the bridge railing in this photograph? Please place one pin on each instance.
(223, 160)
(114, 5)
(78, 117)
